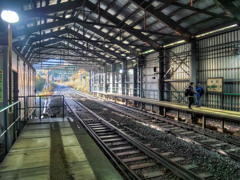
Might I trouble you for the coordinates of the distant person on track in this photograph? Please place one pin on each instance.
(199, 90)
(191, 93)
(107, 87)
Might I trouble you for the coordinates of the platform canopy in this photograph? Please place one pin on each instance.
(88, 33)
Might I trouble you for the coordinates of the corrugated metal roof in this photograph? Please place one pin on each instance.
(190, 20)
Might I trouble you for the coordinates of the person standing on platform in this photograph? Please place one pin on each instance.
(199, 90)
(191, 93)
(107, 87)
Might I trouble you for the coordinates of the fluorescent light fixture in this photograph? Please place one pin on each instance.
(9, 16)
(149, 51)
(120, 71)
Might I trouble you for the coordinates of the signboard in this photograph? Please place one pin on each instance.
(215, 85)
(1, 86)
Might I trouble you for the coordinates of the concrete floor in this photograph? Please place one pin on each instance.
(29, 158)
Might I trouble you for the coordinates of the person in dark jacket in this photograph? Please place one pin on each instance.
(199, 88)
(106, 87)
(191, 93)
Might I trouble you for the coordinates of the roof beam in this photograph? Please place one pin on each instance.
(146, 6)
(77, 45)
(83, 47)
(171, 2)
(70, 4)
(116, 21)
(231, 7)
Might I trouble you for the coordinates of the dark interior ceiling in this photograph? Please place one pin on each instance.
(98, 32)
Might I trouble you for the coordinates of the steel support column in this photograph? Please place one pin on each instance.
(89, 82)
(161, 74)
(193, 64)
(135, 82)
(99, 80)
(93, 80)
(105, 78)
(123, 76)
(141, 81)
(113, 71)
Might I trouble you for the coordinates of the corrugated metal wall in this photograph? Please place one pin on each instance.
(177, 67)
(26, 82)
(217, 56)
(150, 85)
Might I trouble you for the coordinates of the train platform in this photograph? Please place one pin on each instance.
(205, 111)
(56, 148)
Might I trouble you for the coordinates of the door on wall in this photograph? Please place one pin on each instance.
(14, 86)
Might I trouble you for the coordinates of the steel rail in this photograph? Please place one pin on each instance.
(223, 152)
(107, 150)
(176, 169)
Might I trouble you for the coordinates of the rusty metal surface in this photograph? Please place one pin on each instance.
(140, 166)
(135, 159)
(122, 148)
(112, 140)
(153, 174)
(127, 153)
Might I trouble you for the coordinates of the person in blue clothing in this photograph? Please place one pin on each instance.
(199, 88)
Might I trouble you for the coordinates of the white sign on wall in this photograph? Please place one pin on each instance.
(215, 85)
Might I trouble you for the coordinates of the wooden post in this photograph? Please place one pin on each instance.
(125, 102)
(152, 107)
(222, 126)
(177, 117)
(164, 112)
(141, 108)
(203, 122)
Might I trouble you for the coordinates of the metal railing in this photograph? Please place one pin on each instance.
(40, 103)
(16, 122)
(228, 101)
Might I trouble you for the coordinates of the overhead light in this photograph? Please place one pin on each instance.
(9, 16)
(120, 71)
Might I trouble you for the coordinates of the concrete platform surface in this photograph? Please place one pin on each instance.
(35, 154)
(212, 112)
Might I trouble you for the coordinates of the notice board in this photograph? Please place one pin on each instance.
(215, 85)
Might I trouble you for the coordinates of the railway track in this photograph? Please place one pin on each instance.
(134, 159)
(166, 126)
(220, 143)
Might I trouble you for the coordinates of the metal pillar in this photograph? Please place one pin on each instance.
(89, 82)
(113, 70)
(10, 64)
(141, 81)
(93, 80)
(85, 79)
(135, 82)
(123, 77)
(193, 64)
(161, 74)
(98, 82)
(105, 77)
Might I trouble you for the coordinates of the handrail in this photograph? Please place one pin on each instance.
(40, 106)
(16, 120)
(9, 106)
